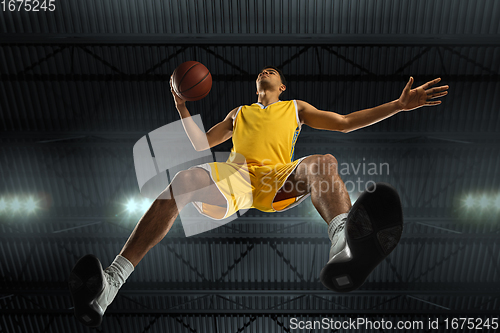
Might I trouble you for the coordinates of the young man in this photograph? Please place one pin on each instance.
(264, 134)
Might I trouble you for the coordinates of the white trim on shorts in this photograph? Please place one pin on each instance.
(198, 204)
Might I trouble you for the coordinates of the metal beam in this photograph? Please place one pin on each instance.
(451, 289)
(309, 133)
(253, 39)
(261, 312)
(79, 217)
(244, 238)
(345, 144)
(167, 289)
(162, 78)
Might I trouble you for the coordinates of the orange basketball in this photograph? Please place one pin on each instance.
(191, 81)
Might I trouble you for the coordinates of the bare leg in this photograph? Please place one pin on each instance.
(318, 175)
(158, 219)
(358, 244)
(93, 289)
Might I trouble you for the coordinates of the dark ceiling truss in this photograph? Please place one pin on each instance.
(125, 146)
(149, 75)
(336, 312)
(414, 233)
(233, 77)
(213, 39)
(27, 243)
(495, 258)
(210, 322)
(439, 152)
(243, 238)
(51, 167)
(53, 164)
(58, 224)
(291, 292)
(43, 139)
(412, 289)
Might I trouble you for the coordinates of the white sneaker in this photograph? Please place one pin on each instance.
(92, 290)
(339, 251)
(111, 287)
(372, 230)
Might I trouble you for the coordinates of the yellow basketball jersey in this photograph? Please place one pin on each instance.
(265, 135)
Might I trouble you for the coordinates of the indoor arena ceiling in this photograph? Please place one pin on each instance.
(80, 85)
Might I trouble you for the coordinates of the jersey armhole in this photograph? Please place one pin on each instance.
(297, 114)
(236, 115)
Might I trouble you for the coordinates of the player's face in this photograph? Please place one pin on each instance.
(269, 75)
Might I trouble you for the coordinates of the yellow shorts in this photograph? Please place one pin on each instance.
(248, 186)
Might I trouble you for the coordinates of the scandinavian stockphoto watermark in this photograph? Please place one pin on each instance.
(331, 177)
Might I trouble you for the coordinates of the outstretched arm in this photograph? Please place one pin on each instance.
(410, 99)
(199, 139)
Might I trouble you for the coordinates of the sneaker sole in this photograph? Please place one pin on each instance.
(373, 229)
(85, 284)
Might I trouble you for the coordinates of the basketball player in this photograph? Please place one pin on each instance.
(265, 134)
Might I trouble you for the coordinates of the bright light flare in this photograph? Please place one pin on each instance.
(131, 206)
(137, 205)
(30, 205)
(470, 201)
(15, 205)
(3, 204)
(484, 202)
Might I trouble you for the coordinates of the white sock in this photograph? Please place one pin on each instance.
(115, 276)
(334, 223)
(337, 234)
(120, 269)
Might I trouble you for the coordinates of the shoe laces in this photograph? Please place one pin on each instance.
(336, 226)
(339, 228)
(110, 277)
(336, 233)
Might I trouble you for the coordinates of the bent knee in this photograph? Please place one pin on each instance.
(189, 180)
(320, 165)
(327, 165)
(329, 159)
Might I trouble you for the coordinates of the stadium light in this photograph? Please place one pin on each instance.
(137, 205)
(484, 202)
(469, 201)
(30, 205)
(131, 206)
(15, 205)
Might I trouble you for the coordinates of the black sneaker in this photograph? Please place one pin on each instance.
(86, 282)
(373, 229)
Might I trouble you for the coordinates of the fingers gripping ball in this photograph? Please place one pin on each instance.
(191, 81)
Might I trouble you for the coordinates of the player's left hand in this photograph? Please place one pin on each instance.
(411, 99)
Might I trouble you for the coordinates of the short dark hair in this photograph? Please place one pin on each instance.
(282, 77)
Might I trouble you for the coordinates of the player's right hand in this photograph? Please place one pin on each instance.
(178, 101)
